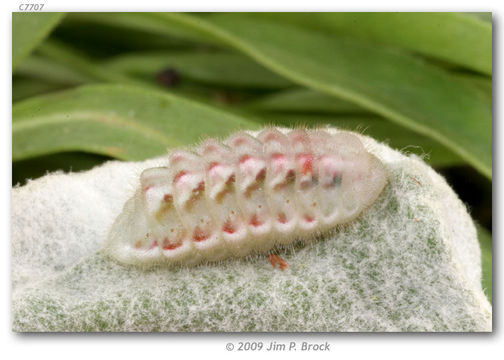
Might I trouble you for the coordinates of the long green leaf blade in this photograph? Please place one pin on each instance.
(144, 21)
(124, 122)
(28, 30)
(301, 100)
(73, 60)
(221, 68)
(395, 85)
(458, 38)
(45, 69)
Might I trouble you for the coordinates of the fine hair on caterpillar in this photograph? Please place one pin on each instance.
(245, 195)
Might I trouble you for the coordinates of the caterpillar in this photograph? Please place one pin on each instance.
(247, 194)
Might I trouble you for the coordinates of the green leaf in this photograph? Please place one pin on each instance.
(46, 69)
(485, 238)
(23, 88)
(483, 16)
(221, 68)
(103, 39)
(123, 122)
(303, 100)
(458, 38)
(148, 22)
(394, 135)
(306, 100)
(397, 86)
(481, 83)
(76, 62)
(28, 30)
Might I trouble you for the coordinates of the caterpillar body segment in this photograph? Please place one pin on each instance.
(245, 195)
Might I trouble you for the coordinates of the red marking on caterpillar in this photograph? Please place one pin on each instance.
(200, 188)
(230, 180)
(307, 163)
(255, 221)
(282, 218)
(309, 219)
(199, 235)
(246, 194)
(277, 156)
(169, 246)
(245, 158)
(213, 165)
(228, 227)
(179, 176)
